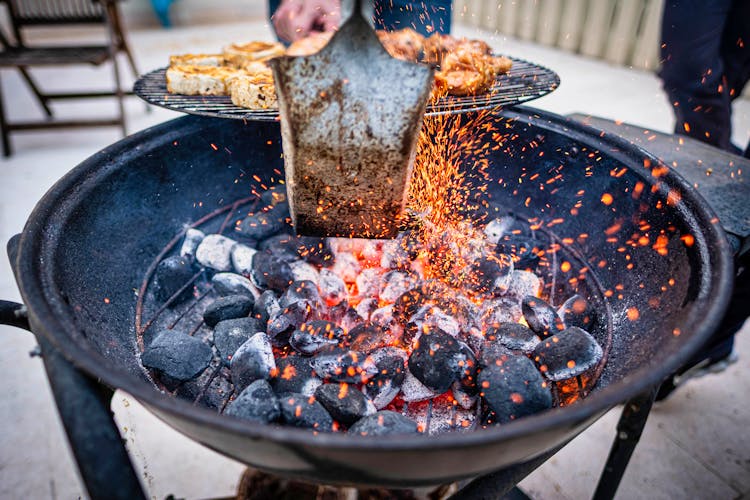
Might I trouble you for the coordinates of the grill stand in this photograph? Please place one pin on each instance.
(103, 461)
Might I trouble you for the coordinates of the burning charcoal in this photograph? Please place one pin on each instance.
(216, 394)
(280, 327)
(367, 337)
(464, 365)
(541, 317)
(234, 284)
(497, 228)
(368, 282)
(524, 251)
(394, 256)
(408, 304)
(491, 273)
(242, 259)
(433, 361)
(275, 195)
(464, 399)
(230, 334)
(229, 307)
(474, 338)
(413, 390)
(385, 385)
(301, 410)
(284, 246)
(567, 354)
(177, 355)
(261, 225)
(350, 319)
(193, 238)
(172, 274)
(383, 423)
(576, 311)
(257, 402)
(395, 284)
(305, 342)
(253, 360)
(271, 272)
(344, 402)
(384, 318)
(347, 267)
(294, 374)
(514, 336)
(301, 291)
(439, 416)
(266, 306)
(461, 308)
(432, 317)
(323, 328)
(304, 271)
(366, 307)
(493, 353)
(215, 251)
(514, 388)
(524, 283)
(332, 288)
(315, 251)
(502, 310)
(346, 366)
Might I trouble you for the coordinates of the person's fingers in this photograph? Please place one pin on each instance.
(301, 25)
(284, 18)
(330, 20)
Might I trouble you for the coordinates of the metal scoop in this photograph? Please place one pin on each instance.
(350, 118)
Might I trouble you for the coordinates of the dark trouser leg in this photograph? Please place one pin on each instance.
(693, 69)
(735, 49)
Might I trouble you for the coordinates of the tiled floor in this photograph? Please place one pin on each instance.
(695, 445)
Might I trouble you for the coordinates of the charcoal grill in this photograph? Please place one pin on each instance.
(96, 232)
(524, 82)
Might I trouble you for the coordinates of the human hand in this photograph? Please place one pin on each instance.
(296, 19)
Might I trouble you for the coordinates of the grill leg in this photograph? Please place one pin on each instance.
(629, 430)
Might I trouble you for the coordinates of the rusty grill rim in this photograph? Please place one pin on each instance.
(51, 316)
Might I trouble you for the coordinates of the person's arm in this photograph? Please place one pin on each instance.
(296, 19)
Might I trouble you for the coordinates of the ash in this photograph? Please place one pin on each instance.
(443, 329)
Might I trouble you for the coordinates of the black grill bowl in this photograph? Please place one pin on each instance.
(96, 231)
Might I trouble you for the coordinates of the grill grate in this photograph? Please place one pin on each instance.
(524, 82)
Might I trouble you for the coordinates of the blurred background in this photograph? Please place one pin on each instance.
(606, 53)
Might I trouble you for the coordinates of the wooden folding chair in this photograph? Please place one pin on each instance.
(16, 53)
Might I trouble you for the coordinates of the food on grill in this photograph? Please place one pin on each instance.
(238, 54)
(310, 44)
(198, 80)
(253, 91)
(465, 67)
(197, 60)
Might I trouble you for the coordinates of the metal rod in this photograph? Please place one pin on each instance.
(629, 430)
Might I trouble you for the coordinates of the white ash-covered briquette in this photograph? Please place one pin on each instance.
(301, 410)
(500, 310)
(266, 306)
(464, 398)
(395, 283)
(272, 272)
(366, 307)
(308, 343)
(523, 283)
(384, 423)
(230, 334)
(432, 317)
(525, 250)
(257, 402)
(413, 390)
(497, 228)
(302, 291)
(193, 238)
(440, 416)
(383, 388)
(332, 287)
(253, 360)
(368, 282)
(383, 316)
(346, 266)
(215, 252)
(567, 354)
(491, 273)
(242, 259)
(234, 284)
(514, 336)
(344, 366)
(541, 317)
(577, 311)
(367, 336)
(304, 271)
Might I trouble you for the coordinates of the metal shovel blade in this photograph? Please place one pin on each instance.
(350, 119)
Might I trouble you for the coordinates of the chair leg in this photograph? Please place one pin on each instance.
(122, 43)
(43, 100)
(7, 151)
(119, 93)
